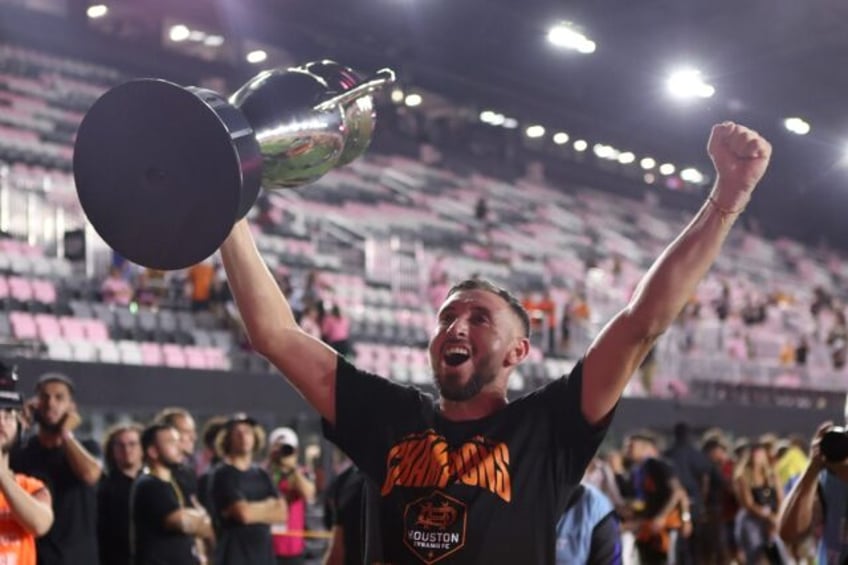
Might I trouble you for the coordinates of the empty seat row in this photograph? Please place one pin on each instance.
(137, 353)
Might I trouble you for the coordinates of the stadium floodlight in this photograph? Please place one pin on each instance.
(567, 36)
(686, 84)
(797, 125)
(667, 169)
(509, 123)
(488, 116)
(213, 40)
(605, 151)
(647, 163)
(179, 33)
(256, 56)
(626, 158)
(561, 138)
(397, 95)
(413, 100)
(581, 145)
(692, 175)
(535, 131)
(97, 11)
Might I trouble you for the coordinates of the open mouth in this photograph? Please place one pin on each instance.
(456, 355)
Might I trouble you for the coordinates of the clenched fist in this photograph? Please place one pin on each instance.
(740, 157)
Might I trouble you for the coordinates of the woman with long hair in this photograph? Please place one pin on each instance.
(760, 496)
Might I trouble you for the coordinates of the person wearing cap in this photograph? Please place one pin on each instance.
(25, 505)
(296, 489)
(69, 467)
(244, 501)
(167, 527)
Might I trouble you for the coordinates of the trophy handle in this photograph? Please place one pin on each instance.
(380, 79)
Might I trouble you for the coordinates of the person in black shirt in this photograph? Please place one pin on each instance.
(68, 467)
(459, 476)
(166, 528)
(182, 421)
(244, 499)
(343, 516)
(123, 455)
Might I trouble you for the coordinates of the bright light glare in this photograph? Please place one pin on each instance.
(196, 35)
(561, 138)
(647, 163)
(667, 169)
(213, 40)
(581, 145)
(535, 131)
(510, 123)
(692, 175)
(565, 36)
(626, 158)
(397, 96)
(179, 33)
(605, 151)
(797, 126)
(413, 100)
(256, 56)
(687, 84)
(97, 11)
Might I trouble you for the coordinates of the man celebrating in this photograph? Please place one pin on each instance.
(458, 477)
(70, 470)
(25, 510)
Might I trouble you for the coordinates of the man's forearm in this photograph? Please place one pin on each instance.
(301, 484)
(83, 464)
(268, 511)
(796, 515)
(264, 310)
(35, 516)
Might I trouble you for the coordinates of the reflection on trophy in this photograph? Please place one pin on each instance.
(164, 171)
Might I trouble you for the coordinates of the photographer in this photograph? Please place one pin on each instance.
(819, 501)
(296, 488)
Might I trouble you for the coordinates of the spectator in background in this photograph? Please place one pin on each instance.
(310, 322)
(68, 467)
(244, 501)
(791, 463)
(837, 340)
(759, 496)
(200, 278)
(721, 506)
(335, 329)
(167, 526)
(588, 531)
(693, 471)
(181, 420)
(115, 289)
(25, 504)
(144, 294)
(123, 454)
(343, 515)
(209, 458)
(661, 506)
(297, 490)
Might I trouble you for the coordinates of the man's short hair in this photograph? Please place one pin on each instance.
(646, 436)
(47, 378)
(508, 297)
(148, 436)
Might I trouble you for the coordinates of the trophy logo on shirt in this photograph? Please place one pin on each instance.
(435, 526)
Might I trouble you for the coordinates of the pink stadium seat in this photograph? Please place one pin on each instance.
(44, 291)
(72, 328)
(20, 289)
(216, 358)
(23, 325)
(48, 327)
(151, 354)
(195, 358)
(173, 355)
(95, 330)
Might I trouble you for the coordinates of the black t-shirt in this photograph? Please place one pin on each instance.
(652, 482)
(241, 544)
(483, 491)
(113, 518)
(343, 507)
(691, 467)
(151, 501)
(73, 538)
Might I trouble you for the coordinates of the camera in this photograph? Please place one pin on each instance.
(834, 444)
(286, 450)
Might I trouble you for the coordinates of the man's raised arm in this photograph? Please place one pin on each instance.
(308, 364)
(740, 157)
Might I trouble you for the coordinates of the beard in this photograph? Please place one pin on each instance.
(451, 389)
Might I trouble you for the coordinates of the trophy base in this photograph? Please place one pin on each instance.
(159, 172)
